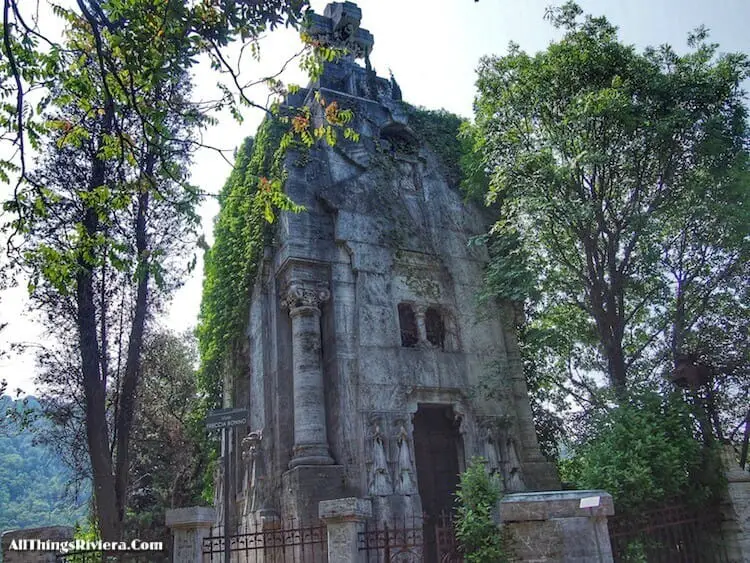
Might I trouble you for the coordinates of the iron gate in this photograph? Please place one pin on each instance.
(407, 541)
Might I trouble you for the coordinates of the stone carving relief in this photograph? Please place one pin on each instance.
(379, 483)
(492, 454)
(513, 478)
(251, 486)
(405, 483)
(500, 451)
(391, 468)
(409, 176)
(302, 295)
(219, 491)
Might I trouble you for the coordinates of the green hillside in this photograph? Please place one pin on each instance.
(32, 478)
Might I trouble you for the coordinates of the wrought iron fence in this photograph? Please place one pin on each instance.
(97, 556)
(287, 543)
(674, 534)
(416, 538)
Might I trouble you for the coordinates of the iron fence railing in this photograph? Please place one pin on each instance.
(281, 543)
(416, 538)
(673, 534)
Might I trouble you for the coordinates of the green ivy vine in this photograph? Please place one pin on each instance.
(440, 130)
(248, 202)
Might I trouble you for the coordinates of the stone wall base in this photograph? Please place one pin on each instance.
(736, 509)
(304, 486)
(552, 527)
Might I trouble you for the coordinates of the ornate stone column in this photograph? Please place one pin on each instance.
(419, 313)
(303, 301)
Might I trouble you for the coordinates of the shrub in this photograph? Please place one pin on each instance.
(476, 529)
(643, 453)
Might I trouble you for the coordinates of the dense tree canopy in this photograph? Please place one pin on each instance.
(34, 485)
(621, 189)
(170, 449)
(621, 183)
(622, 172)
(116, 125)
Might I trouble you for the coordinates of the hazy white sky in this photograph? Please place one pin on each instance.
(432, 47)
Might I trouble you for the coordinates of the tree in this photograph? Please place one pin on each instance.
(117, 110)
(643, 453)
(170, 453)
(98, 233)
(602, 159)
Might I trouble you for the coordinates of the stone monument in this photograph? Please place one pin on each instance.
(366, 343)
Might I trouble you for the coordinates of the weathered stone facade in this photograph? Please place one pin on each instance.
(366, 340)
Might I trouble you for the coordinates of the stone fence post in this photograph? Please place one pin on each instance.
(15, 544)
(556, 527)
(343, 519)
(736, 508)
(189, 527)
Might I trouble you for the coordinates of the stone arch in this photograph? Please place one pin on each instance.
(399, 138)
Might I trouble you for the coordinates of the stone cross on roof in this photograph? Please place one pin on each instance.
(339, 28)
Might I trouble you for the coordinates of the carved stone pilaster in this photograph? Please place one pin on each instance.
(303, 299)
(219, 493)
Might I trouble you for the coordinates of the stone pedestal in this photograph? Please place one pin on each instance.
(552, 527)
(17, 544)
(189, 526)
(344, 518)
(736, 509)
(304, 486)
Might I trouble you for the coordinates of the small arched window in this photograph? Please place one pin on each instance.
(407, 320)
(435, 327)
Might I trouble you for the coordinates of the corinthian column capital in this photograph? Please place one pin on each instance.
(299, 295)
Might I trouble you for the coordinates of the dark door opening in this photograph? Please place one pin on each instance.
(436, 446)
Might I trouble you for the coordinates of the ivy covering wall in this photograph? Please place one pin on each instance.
(241, 230)
(440, 130)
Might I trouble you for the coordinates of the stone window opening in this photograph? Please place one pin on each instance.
(407, 320)
(398, 139)
(435, 327)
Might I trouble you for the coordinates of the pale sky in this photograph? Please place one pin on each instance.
(432, 47)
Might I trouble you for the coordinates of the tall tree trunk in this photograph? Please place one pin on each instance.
(95, 399)
(97, 429)
(130, 379)
(616, 366)
(605, 304)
